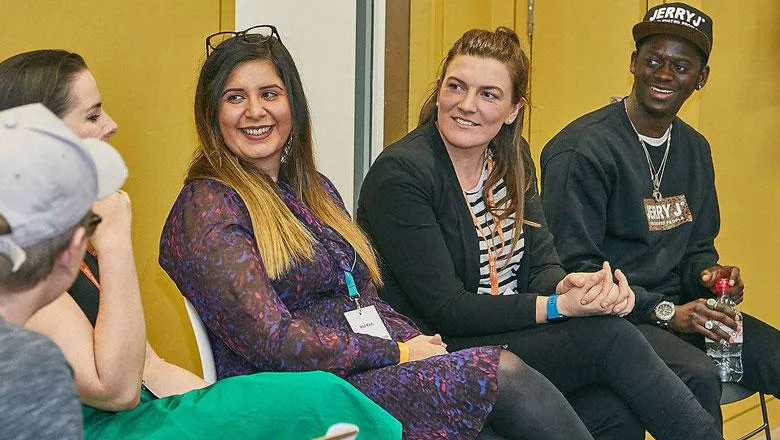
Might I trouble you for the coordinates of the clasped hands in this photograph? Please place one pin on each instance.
(425, 346)
(582, 294)
(596, 293)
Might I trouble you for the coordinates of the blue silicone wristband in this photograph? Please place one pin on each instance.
(552, 308)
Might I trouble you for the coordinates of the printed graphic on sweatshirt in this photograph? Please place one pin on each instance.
(667, 213)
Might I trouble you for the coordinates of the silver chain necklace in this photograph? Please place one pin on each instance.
(655, 176)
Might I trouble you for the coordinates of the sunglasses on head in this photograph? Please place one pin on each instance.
(264, 31)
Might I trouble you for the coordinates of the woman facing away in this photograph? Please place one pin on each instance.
(453, 211)
(128, 392)
(262, 246)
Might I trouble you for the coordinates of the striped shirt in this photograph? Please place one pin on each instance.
(507, 270)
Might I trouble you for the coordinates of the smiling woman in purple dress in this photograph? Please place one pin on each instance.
(262, 246)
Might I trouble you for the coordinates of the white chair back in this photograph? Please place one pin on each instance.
(204, 345)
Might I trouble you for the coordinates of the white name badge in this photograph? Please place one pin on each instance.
(667, 213)
(366, 321)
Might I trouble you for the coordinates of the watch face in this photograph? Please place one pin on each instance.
(664, 310)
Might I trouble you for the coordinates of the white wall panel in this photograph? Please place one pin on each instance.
(320, 35)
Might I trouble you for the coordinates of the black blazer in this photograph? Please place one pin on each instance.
(412, 207)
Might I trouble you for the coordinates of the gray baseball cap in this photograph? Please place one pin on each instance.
(49, 177)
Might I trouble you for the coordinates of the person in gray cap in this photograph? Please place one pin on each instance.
(49, 178)
(658, 227)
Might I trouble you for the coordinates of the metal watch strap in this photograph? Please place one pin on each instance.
(660, 322)
(663, 323)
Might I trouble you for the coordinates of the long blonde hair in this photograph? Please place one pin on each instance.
(511, 154)
(281, 239)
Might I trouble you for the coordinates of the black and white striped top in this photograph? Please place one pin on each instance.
(507, 279)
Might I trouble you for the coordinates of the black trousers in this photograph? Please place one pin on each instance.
(612, 377)
(685, 355)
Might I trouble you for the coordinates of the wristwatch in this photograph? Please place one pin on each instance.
(552, 309)
(663, 313)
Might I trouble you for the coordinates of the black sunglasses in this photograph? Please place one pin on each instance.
(265, 31)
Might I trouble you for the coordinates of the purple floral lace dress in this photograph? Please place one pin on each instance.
(297, 323)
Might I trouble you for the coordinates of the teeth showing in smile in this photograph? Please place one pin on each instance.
(465, 122)
(256, 131)
(664, 91)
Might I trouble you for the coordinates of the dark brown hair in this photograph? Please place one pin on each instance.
(43, 76)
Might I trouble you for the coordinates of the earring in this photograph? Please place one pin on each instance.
(437, 103)
(287, 147)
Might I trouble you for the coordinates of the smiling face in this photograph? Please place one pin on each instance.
(666, 69)
(474, 101)
(254, 115)
(86, 116)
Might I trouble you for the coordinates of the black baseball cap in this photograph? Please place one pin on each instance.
(680, 20)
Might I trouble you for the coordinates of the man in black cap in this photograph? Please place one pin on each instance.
(633, 184)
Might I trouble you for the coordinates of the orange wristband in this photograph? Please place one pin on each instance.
(403, 351)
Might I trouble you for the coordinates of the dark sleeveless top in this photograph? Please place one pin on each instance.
(84, 291)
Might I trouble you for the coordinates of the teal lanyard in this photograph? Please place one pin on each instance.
(352, 288)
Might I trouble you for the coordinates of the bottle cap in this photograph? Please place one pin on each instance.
(722, 286)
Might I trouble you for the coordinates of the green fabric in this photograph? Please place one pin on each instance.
(261, 406)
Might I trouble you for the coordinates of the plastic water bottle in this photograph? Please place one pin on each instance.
(727, 355)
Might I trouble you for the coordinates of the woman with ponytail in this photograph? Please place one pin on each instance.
(261, 244)
(454, 214)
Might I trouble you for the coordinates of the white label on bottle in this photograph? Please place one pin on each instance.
(735, 336)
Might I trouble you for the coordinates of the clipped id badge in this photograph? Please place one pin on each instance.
(366, 321)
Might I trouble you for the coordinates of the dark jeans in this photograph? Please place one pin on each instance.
(611, 376)
(685, 355)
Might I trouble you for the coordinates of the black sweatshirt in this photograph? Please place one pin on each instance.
(594, 179)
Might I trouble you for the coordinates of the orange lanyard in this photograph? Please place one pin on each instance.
(87, 271)
(496, 227)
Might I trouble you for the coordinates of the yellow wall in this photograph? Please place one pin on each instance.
(739, 110)
(436, 24)
(580, 53)
(145, 55)
(580, 59)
